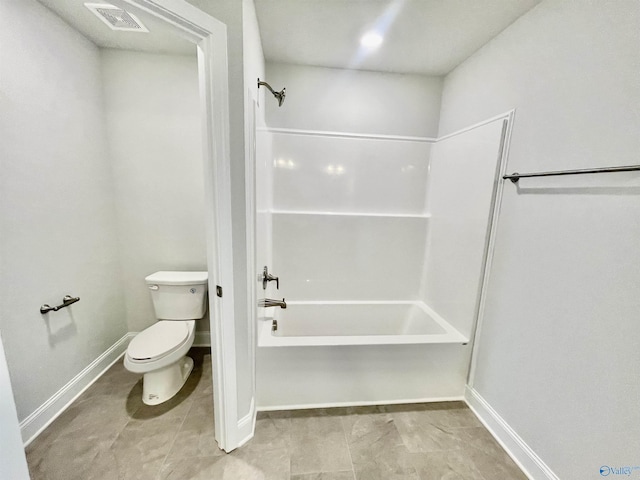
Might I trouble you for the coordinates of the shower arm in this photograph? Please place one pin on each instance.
(266, 85)
(279, 95)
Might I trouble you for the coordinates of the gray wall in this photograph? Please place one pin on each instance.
(101, 186)
(154, 133)
(557, 356)
(57, 215)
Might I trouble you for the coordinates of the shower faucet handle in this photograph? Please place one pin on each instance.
(267, 277)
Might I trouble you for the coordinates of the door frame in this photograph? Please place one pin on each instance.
(210, 37)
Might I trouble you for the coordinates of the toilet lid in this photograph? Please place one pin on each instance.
(158, 340)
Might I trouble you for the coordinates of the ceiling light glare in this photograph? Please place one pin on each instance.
(371, 40)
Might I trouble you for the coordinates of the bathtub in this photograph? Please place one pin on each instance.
(354, 323)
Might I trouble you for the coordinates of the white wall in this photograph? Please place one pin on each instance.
(354, 101)
(154, 132)
(13, 463)
(253, 59)
(56, 212)
(556, 356)
(253, 67)
(237, 17)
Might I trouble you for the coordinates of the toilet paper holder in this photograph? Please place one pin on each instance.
(66, 301)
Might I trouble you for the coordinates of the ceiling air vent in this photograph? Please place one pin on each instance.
(116, 18)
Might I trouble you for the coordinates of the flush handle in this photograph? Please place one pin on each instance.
(154, 287)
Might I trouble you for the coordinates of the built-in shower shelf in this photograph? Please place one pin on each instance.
(351, 214)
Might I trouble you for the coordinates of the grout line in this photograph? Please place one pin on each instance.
(164, 460)
(346, 441)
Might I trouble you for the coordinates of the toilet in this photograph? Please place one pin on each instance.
(159, 352)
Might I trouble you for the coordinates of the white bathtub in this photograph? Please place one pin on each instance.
(355, 323)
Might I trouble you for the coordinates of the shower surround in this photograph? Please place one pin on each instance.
(378, 238)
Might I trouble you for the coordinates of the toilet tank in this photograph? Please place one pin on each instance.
(178, 295)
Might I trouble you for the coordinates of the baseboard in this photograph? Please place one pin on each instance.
(528, 461)
(271, 408)
(203, 339)
(40, 419)
(46, 413)
(247, 424)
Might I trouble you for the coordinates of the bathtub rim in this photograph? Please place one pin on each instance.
(267, 339)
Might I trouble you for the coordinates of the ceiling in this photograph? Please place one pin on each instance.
(162, 37)
(429, 37)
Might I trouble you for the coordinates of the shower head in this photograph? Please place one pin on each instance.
(279, 95)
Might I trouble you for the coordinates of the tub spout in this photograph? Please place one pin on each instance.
(268, 302)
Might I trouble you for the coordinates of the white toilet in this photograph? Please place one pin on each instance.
(159, 351)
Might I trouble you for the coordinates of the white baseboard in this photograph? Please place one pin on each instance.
(271, 408)
(46, 413)
(247, 424)
(528, 461)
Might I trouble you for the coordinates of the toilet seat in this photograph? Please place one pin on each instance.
(158, 340)
(154, 348)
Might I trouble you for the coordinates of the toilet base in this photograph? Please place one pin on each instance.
(160, 385)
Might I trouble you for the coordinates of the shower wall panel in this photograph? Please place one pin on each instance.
(348, 217)
(356, 175)
(264, 201)
(348, 257)
(462, 177)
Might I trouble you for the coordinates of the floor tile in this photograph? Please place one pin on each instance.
(233, 466)
(376, 447)
(448, 465)
(442, 414)
(325, 476)
(273, 432)
(433, 427)
(142, 446)
(318, 443)
(193, 468)
(65, 459)
(196, 438)
(486, 454)
(421, 431)
(109, 434)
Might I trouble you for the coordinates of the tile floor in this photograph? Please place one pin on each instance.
(108, 433)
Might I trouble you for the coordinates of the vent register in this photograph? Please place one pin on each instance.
(116, 18)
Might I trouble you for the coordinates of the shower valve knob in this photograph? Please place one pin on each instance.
(267, 277)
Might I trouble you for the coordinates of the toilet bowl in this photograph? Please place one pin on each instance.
(159, 352)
